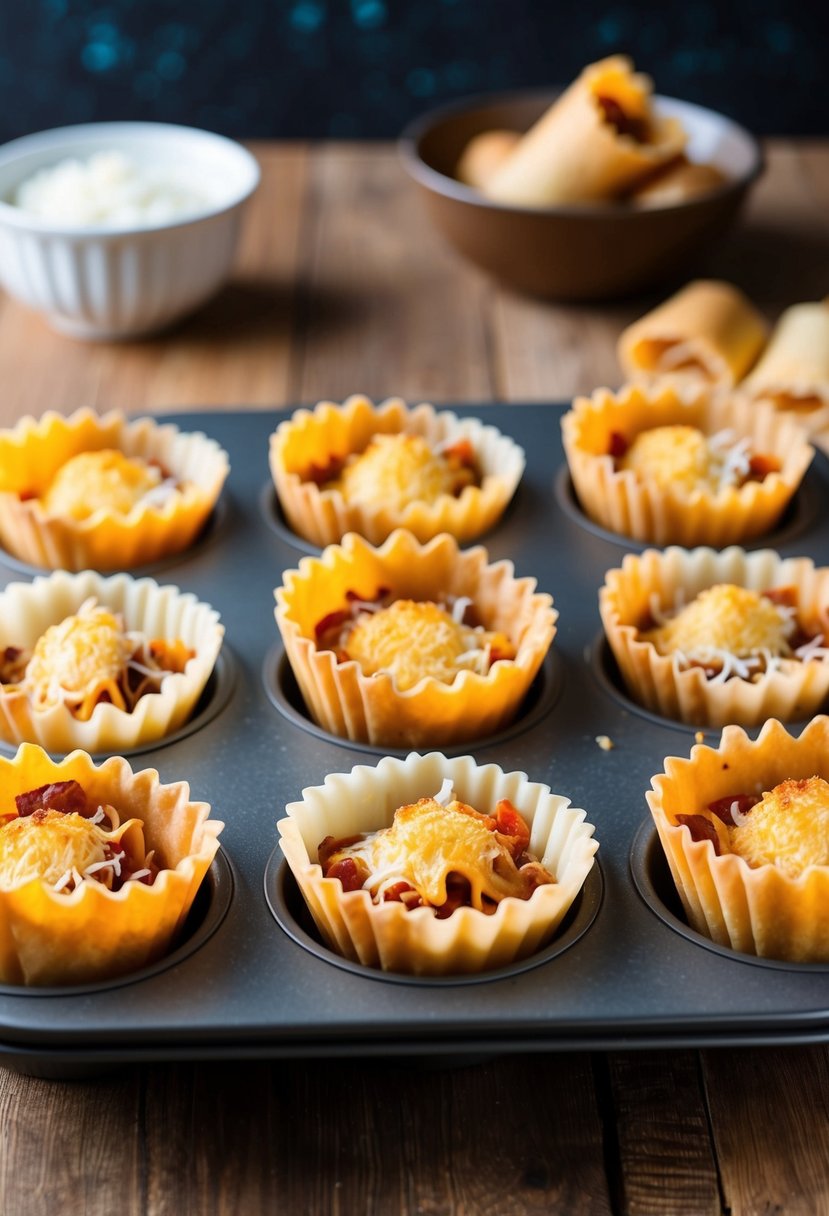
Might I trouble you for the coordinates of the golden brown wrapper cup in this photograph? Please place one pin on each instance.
(758, 910)
(92, 933)
(793, 371)
(371, 709)
(630, 505)
(658, 580)
(709, 331)
(678, 182)
(34, 450)
(573, 155)
(388, 936)
(27, 610)
(329, 432)
(483, 155)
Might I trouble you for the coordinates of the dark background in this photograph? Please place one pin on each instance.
(363, 68)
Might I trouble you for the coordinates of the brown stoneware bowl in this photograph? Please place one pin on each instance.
(574, 252)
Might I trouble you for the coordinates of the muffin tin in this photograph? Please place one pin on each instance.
(250, 977)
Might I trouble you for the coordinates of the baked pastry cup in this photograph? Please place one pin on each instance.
(793, 371)
(91, 933)
(757, 909)
(372, 708)
(82, 712)
(32, 453)
(387, 935)
(648, 587)
(659, 509)
(314, 440)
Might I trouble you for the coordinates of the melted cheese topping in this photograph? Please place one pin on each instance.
(725, 618)
(684, 458)
(427, 841)
(77, 660)
(788, 828)
(412, 639)
(395, 470)
(49, 845)
(92, 481)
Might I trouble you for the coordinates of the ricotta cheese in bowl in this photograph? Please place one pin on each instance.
(112, 190)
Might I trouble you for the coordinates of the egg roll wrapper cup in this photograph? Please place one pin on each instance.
(329, 431)
(93, 934)
(572, 155)
(27, 610)
(679, 181)
(372, 709)
(794, 690)
(629, 504)
(34, 450)
(415, 942)
(793, 371)
(708, 331)
(483, 155)
(758, 910)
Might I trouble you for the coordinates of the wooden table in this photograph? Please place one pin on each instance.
(343, 287)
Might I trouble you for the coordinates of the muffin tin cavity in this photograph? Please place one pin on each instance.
(652, 877)
(210, 534)
(214, 698)
(801, 513)
(207, 912)
(291, 913)
(283, 692)
(274, 517)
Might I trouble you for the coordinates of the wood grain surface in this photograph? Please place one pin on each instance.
(342, 286)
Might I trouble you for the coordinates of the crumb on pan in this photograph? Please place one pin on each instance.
(605, 742)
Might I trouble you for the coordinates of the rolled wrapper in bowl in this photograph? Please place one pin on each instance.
(793, 371)
(383, 704)
(101, 492)
(745, 829)
(336, 470)
(681, 463)
(708, 331)
(416, 941)
(595, 142)
(77, 649)
(65, 926)
(711, 638)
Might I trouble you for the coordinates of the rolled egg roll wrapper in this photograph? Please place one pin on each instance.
(708, 330)
(483, 155)
(574, 155)
(677, 183)
(793, 370)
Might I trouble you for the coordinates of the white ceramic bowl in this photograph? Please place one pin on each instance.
(105, 282)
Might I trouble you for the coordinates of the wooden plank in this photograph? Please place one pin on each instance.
(516, 1137)
(385, 308)
(70, 1148)
(770, 1120)
(665, 1155)
(235, 350)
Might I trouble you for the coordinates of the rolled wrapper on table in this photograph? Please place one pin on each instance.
(595, 142)
(484, 155)
(793, 370)
(709, 330)
(677, 183)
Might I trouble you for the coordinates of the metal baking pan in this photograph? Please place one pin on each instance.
(251, 978)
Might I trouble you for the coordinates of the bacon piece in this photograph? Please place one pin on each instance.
(63, 796)
(621, 121)
(321, 473)
(760, 466)
(700, 829)
(617, 445)
(402, 892)
(351, 872)
(512, 825)
(461, 451)
(786, 597)
(171, 655)
(332, 620)
(458, 893)
(722, 807)
(332, 845)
